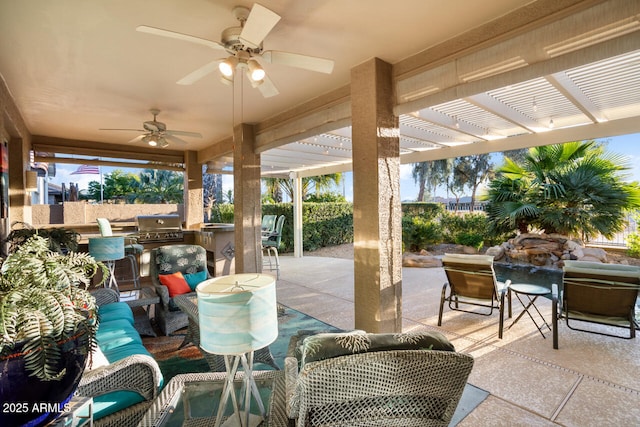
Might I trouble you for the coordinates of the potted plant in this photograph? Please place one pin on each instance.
(60, 239)
(48, 323)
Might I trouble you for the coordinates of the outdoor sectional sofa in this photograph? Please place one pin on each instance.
(122, 377)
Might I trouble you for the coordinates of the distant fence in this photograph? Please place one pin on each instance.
(465, 206)
(620, 239)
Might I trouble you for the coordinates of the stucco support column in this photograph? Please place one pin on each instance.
(20, 208)
(297, 215)
(246, 200)
(193, 198)
(376, 199)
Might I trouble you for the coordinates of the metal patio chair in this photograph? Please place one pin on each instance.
(471, 280)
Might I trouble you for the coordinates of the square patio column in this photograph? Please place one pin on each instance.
(377, 217)
(247, 208)
(193, 198)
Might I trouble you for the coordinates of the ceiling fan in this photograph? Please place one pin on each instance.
(156, 133)
(244, 46)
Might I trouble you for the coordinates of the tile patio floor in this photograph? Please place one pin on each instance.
(591, 380)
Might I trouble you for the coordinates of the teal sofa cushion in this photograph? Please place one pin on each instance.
(117, 353)
(117, 339)
(113, 402)
(116, 310)
(116, 333)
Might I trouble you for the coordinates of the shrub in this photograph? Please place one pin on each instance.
(633, 245)
(425, 210)
(222, 212)
(472, 228)
(323, 224)
(474, 240)
(418, 233)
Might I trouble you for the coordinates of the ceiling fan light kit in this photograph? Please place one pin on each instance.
(228, 66)
(156, 133)
(244, 45)
(255, 71)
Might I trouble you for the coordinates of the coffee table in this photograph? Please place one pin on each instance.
(143, 297)
(188, 303)
(192, 399)
(530, 291)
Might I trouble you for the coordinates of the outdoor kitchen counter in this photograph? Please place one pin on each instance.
(84, 236)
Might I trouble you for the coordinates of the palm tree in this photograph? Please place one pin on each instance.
(278, 186)
(575, 189)
(160, 186)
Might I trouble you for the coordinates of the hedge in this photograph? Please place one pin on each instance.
(323, 224)
(331, 223)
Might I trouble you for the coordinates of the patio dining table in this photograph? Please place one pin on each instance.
(188, 303)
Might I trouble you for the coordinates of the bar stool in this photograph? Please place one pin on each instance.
(270, 245)
(108, 250)
(132, 250)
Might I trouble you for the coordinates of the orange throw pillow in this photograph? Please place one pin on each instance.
(175, 283)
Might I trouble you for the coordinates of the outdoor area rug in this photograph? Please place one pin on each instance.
(175, 361)
(189, 359)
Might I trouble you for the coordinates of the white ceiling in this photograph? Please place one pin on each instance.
(75, 66)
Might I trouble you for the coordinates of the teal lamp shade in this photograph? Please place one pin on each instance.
(106, 248)
(237, 313)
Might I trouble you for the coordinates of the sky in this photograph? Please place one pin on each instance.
(628, 145)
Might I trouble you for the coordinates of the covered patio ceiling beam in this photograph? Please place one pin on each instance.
(425, 135)
(297, 149)
(568, 88)
(558, 136)
(300, 161)
(489, 103)
(594, 53)
(453, 123)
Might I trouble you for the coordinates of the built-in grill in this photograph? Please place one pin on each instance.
(159, 228)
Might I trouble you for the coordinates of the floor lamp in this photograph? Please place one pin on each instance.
(238, 315)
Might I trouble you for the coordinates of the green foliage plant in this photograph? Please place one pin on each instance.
(418, 233)
(60, 239)
(577, 189)
(222, 212)
(323, 224)
(44, 303)
(471, 239)
(633, 240)
(633, 245)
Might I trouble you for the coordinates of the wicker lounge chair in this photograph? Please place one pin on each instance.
(596, 293)
(186, 259)
(472, 281)
(381, 385)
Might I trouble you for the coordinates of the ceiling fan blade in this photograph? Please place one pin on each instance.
(267, 88)
(183, 133)
(175, 139)
(313, 63)
(259, 23)
(199, 73)
(179, 36)
(129, 130)
(136, 139)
